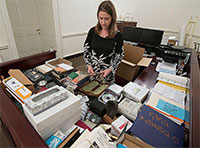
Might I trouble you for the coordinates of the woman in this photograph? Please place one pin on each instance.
(103, 46)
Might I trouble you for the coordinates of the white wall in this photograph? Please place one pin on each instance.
(76, 17)
(168, 15)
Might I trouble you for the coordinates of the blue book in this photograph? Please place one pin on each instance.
(55, 140)
(157, 130)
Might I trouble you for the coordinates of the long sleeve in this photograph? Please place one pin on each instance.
(87, 49)
(119, 53)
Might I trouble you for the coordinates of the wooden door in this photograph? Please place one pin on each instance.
(25, 24)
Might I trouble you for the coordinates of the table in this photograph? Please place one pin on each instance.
(21, 133)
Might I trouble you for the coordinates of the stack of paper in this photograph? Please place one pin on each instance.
(174, 79)
(117, 89)
(187, 112)
(129, 108)
(135, 92)
(166, 68)
(170, 93)
(62, 115)
(167, 107)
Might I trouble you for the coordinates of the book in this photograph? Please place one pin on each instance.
(119, 124)
(59, 76)
(44, 68)
(67, 139)
(80, 77)
(135, 92)
(97, 138)
(157, 130)
(17, 89)
(81, 124)
(72, 75)
(167, 107)
(55, 139)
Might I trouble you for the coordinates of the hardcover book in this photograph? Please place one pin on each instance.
(157, 130)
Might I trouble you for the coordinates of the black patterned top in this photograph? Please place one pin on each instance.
(102, 53)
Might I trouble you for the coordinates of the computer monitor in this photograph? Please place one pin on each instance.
(151, 37)
(132, 33)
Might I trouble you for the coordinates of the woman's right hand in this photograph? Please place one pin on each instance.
(90, 70)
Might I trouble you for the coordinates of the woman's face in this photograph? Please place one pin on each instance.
(104, 19)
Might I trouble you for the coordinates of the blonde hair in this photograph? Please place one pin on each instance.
(108, 7)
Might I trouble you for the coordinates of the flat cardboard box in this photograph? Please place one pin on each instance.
(16, 73)
(54, 62)
(131, 141)
(132, 60)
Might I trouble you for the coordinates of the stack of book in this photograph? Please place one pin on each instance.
(60, 72)
(75, 79)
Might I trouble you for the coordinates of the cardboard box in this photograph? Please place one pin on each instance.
(131, 141)
(54, 62)
(16, 73)
(132, 60)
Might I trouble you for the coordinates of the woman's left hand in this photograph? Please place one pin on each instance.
(106, 72)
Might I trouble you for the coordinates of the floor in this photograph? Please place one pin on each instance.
(78, 63)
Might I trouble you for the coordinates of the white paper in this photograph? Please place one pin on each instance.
(24, 91)
(174, 79)
(65, 66)
(116, 88)
(45, 68)
(97, 138)
(170, 93)
(166, 67)
(14, 84)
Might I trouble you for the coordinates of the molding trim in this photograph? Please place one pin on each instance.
(176, 32)
(7, 25)
(3, 47)
(76, 34)
(57, 27)
(72, 54)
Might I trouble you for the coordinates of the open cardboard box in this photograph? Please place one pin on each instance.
(16, 73)
(54, 62)
(132, 60)
(131, 141)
